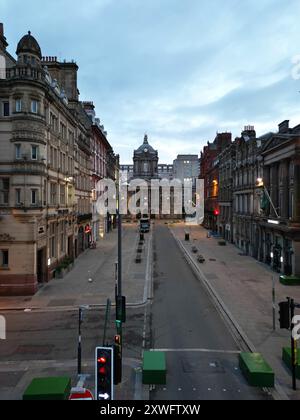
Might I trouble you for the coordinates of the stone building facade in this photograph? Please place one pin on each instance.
(246, 195)
(278, 232)
(226, 165)
(105, 164)
(209, 172)
(45, 168)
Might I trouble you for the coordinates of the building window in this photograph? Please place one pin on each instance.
(34, 197)
(18, 105)
(4, 191)
(4, 258)
(18, 196)
(18, 151)
(5, 109)
(34, 152)
(53, 194)
(62, 194)
(34, 106)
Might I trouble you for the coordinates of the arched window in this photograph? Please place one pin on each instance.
(146, 166)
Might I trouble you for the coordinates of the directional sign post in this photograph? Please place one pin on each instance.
(104, 375)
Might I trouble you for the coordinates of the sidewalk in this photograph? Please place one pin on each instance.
(92, 280)
(245, 286)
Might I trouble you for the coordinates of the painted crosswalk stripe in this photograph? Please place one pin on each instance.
(197, 351)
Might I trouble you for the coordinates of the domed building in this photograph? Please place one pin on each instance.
(145, 161)
(29, 51)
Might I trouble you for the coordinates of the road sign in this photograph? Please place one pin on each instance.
(104, 373)
(81, 394)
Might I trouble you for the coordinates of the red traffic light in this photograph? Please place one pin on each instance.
(102, 360)
(102, 371)
(216, 212)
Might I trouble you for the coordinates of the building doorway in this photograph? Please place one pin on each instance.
(70, 247)
(41, 265)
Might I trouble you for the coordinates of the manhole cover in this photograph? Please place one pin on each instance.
(61, 302)
(34, 349)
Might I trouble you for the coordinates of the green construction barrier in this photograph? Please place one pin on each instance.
(290, 280)
(48, 389)
(154, 368)
(256, 370)
(287, 358)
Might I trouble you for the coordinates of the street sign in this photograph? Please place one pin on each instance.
(81, 394)
(104, 375)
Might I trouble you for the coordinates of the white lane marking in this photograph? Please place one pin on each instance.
(197, 351)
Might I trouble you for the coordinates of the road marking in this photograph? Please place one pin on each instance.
(197, 351)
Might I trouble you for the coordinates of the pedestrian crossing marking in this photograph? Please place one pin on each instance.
(197, 351)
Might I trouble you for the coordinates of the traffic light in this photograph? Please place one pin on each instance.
(284, 315)
(121, 309)
(104, 373)
(216, 212)
(117, 360)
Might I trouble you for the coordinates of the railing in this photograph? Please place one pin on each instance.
(25, 72)
(33, 167)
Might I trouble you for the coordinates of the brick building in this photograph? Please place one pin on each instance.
(209, 172)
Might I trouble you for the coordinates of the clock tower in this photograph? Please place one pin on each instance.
(145, 162)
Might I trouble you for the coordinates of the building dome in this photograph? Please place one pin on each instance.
(29, 45)
(145, 147)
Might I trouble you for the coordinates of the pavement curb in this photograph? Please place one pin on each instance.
(240, 336)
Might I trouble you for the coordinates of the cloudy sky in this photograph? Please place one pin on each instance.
(180, 70)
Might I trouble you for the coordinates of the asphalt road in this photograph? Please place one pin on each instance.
(202, 356)
(45, 344)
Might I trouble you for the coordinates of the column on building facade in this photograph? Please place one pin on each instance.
(284, 211)
(274, 188)
(296, 203)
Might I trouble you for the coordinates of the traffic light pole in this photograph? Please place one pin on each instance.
(293, 346)
(79, 343)
(119, 250)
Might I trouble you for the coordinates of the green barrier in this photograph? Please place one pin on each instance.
(154, 368)
(48, 389)
(290, 280)
(287, 358)
(256, 370)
